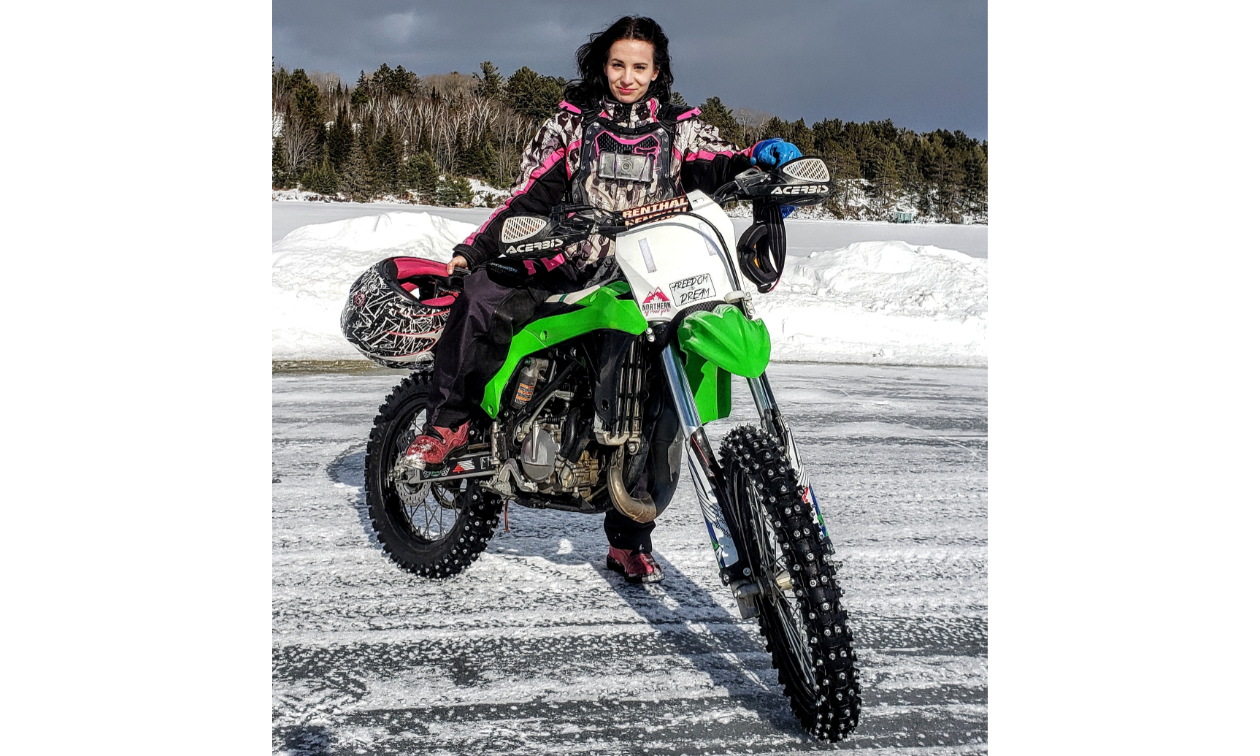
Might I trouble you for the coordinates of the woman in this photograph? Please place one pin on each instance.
(614, 143)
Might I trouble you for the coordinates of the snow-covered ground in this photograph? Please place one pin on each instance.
(539, 649)
(886, 302)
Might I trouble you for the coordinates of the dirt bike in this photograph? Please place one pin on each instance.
(598, 397)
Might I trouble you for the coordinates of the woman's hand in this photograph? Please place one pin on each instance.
(770, 153)
(456, 262)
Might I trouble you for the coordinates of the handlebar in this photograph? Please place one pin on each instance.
(586, 220)
(803, 181)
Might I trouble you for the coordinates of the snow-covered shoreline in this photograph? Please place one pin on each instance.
(870, 302)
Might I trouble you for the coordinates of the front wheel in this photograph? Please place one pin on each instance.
(806, 630)
(435, 530)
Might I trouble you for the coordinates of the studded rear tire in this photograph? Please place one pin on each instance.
(433, 530)
(805, 628)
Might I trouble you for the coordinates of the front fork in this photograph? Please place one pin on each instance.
(707, 475)
(705, 472)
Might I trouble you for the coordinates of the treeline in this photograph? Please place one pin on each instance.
(394, 132)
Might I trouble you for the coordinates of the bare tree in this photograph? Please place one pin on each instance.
(751, 122)
(299, 146)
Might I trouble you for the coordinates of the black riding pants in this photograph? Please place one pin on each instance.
(624, 533)
(474, 344)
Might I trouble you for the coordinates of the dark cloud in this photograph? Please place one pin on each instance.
(922, 63)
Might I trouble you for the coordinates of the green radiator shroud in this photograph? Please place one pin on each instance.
(600, 309)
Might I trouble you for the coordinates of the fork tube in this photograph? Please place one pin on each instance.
(772, 422)
(705, 473)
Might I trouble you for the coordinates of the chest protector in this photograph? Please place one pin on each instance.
(623, 166)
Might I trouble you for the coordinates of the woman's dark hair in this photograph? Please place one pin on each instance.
(592, 84)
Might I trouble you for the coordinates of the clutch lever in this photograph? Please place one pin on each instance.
(455, 280)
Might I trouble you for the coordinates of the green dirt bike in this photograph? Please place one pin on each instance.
(598, 398)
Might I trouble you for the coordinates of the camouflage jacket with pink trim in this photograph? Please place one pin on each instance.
(702, 160)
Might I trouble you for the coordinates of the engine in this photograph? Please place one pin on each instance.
(571, 418)
(548, 434)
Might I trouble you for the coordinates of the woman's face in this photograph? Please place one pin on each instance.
(630, 69)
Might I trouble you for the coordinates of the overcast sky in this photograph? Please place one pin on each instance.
(922, 63)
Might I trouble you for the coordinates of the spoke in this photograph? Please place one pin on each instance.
(428, 517)
(785, 605)
(798, 647)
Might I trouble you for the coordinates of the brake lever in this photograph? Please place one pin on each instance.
(726, 193)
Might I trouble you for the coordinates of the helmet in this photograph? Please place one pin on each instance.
(397, 310)
(763, 247)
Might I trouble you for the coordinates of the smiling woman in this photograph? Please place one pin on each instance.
(616, 142)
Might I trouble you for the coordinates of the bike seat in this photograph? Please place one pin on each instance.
(558, 304)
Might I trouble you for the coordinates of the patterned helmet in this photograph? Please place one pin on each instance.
(397, 310)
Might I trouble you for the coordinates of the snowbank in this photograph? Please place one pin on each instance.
(881, 302)
(870, 302)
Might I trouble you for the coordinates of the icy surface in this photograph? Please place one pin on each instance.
(887, 302)
(538, 649)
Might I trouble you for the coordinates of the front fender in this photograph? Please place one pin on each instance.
(715, 345)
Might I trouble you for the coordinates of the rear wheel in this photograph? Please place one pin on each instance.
(806, 630)
(432, 529)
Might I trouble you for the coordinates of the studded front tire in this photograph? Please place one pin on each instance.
(435, 530)
(805, 628)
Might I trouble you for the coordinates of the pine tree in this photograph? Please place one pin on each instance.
(421, 175)
(842, 163)
(340, 140)
(887, 182)
(320, 178)
(491, 85)
(388, 154)
(775, 127)
(532, 95)
(279, 166)
(713, 112)
(305, 98)
(976, 181)
(474, 157)
(801, 135)
(367, 136)
(361, 95)
(677, 99)
(453, 191)
(356, 180)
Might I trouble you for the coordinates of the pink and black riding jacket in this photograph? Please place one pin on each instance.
(613, 156)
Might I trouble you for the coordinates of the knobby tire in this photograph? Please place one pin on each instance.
(473, 511)
(805, 628)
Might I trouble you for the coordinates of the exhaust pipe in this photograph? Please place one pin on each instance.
(639, 510)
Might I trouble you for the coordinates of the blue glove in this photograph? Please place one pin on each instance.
(770, 153)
